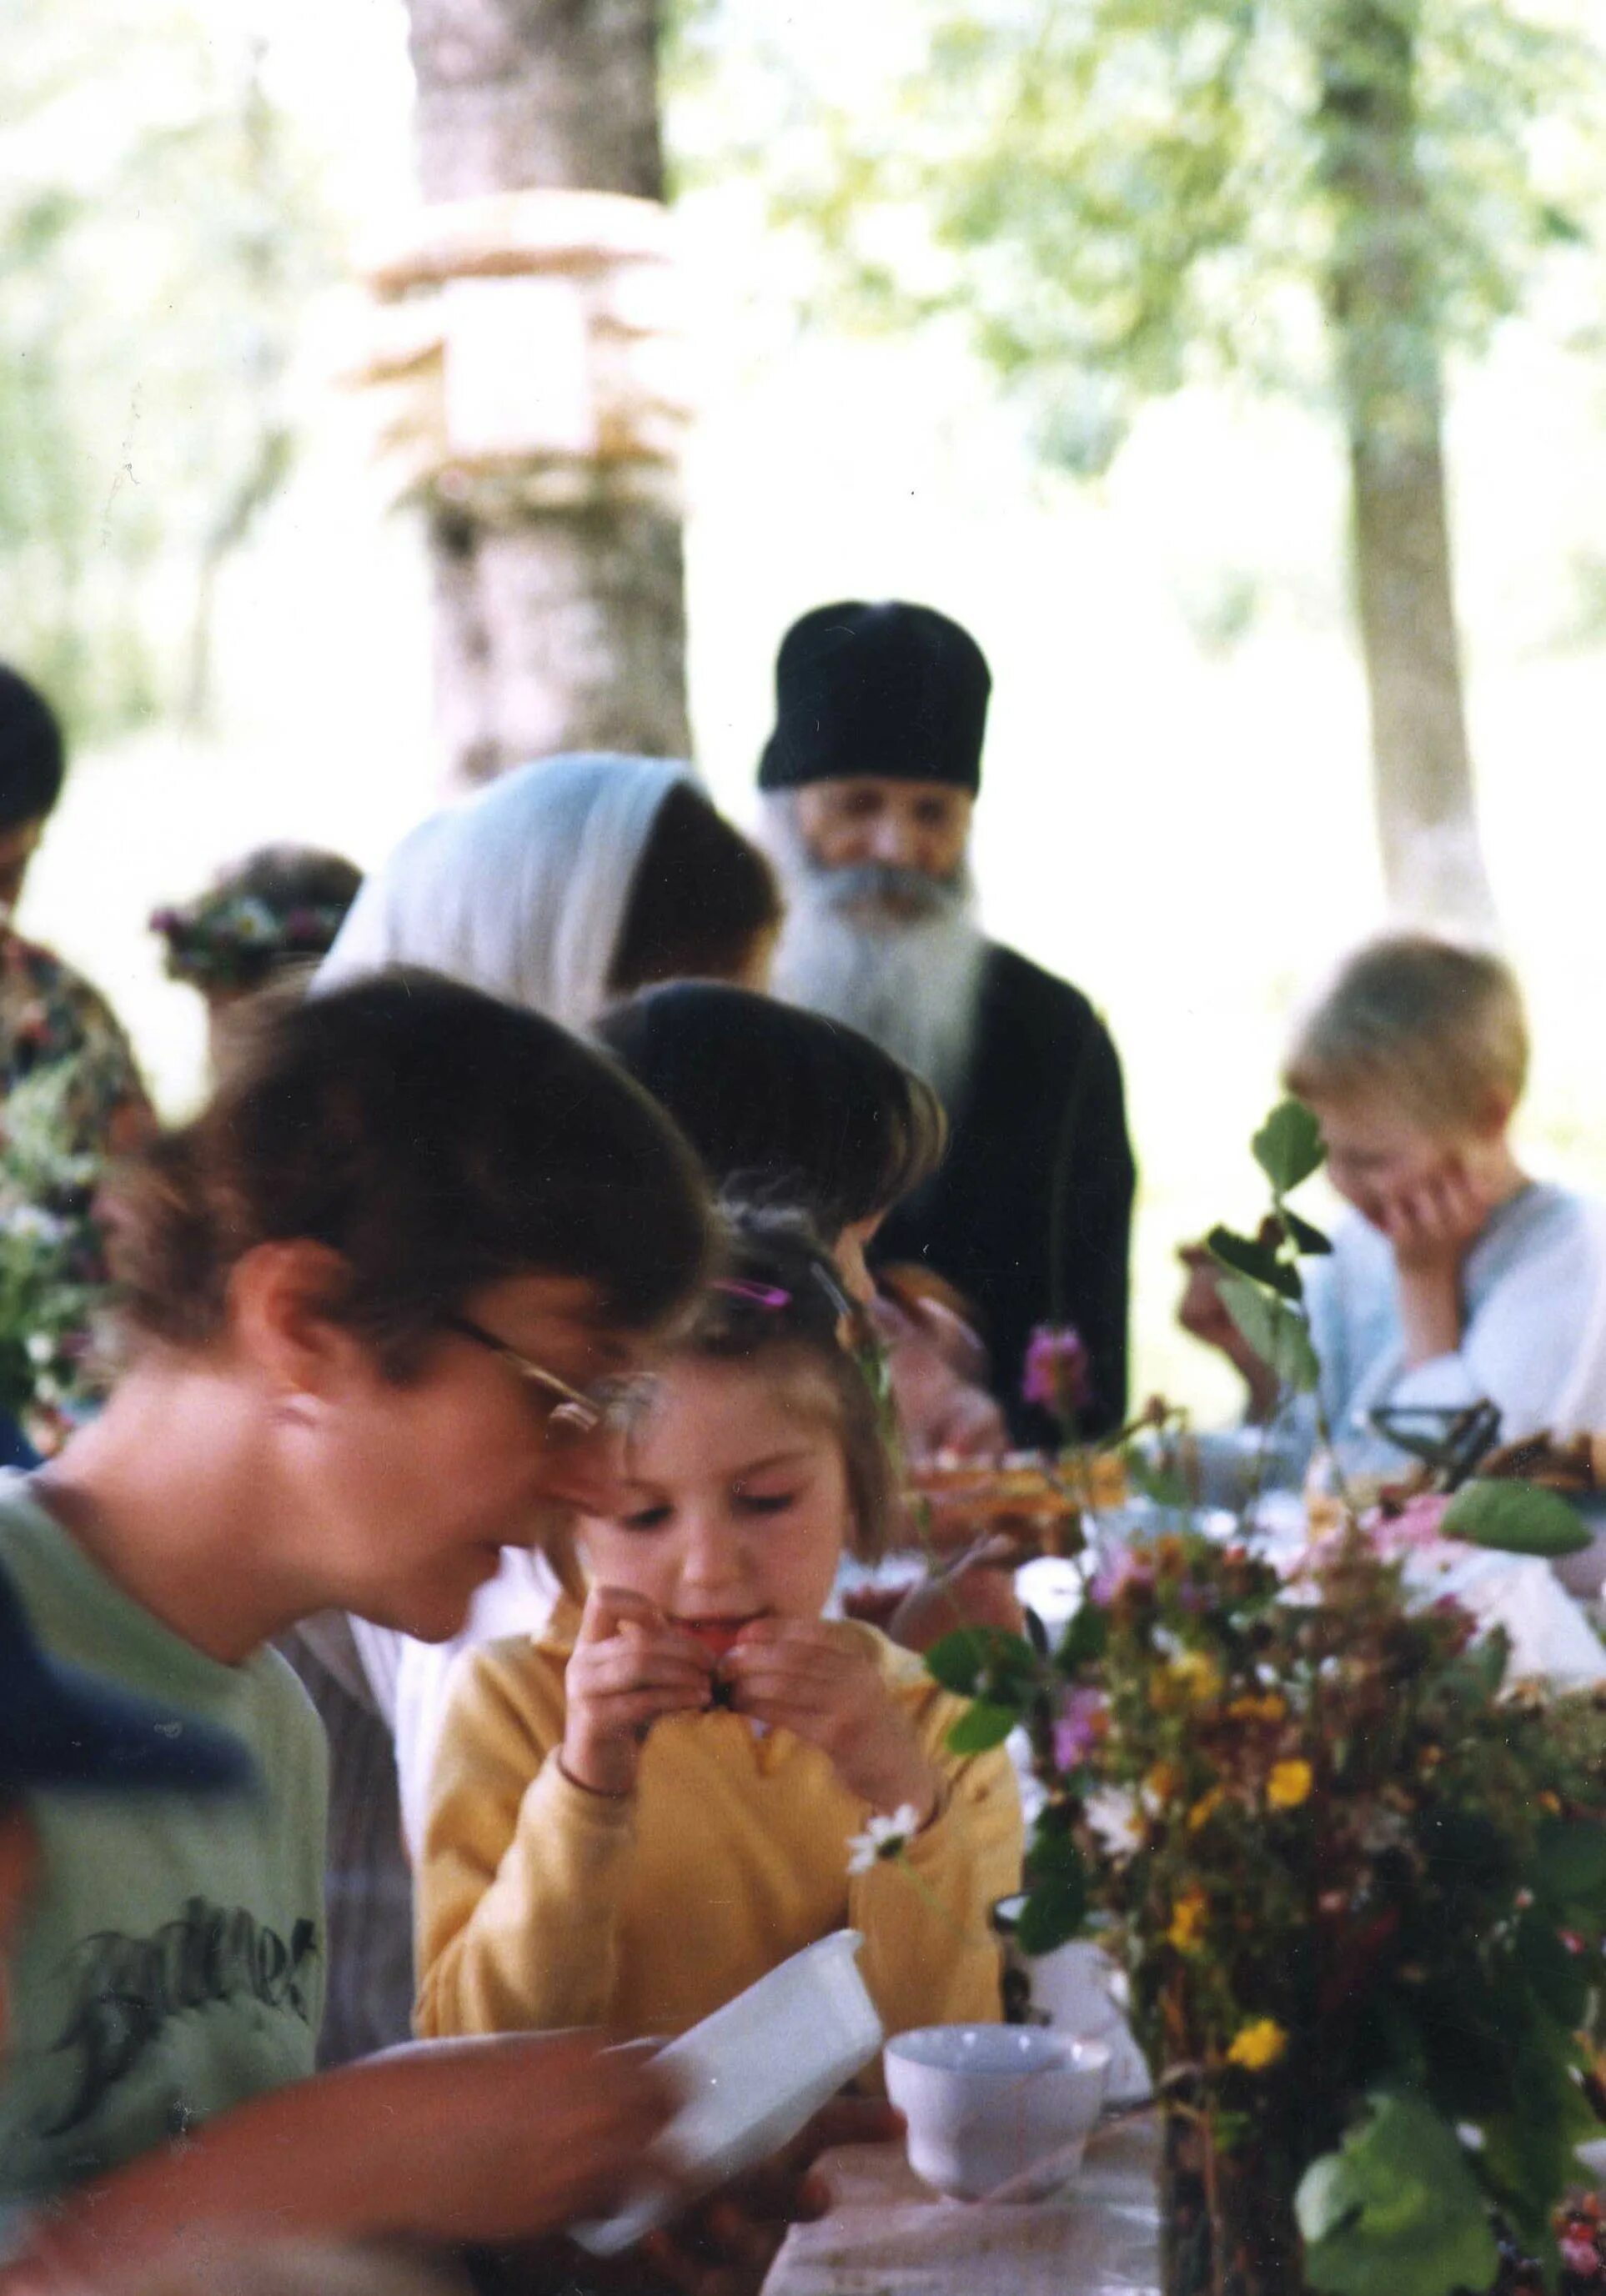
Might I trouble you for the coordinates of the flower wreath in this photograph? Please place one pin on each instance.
(234, 940)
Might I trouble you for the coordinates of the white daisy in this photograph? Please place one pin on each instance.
(883, 1839)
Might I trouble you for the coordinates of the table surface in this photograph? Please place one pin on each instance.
(887, 2234)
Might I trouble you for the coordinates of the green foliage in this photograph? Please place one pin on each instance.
(979, 1661)
(1120, 197)
(1276, 1330)
(1395, 2211)
(1288, 1147)
(159, 238)
(981, 1726)
(1519, 1517)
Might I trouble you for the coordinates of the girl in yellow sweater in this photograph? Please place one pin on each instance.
(636, 1819)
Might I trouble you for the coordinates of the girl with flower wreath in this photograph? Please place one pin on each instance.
(278, 910)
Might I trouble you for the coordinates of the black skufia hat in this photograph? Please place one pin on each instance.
(62, 1727)
(884, 692)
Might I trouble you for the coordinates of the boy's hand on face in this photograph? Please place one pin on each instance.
(1431, 1227)
(1433, 1224)
(630, 1666)
(815, 1677)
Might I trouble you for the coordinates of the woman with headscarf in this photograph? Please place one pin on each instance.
(567, 884)
(560, 887)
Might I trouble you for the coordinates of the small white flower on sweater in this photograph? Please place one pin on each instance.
(883, 1839)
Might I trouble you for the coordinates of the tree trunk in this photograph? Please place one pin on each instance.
(556, 628)
(1382, 305)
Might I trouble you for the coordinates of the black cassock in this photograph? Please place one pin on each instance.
(1030, 1216)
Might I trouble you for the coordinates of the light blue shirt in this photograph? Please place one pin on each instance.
(1533, 1341)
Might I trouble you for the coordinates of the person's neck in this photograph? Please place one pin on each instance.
(1501, 1174)
(171, 1491)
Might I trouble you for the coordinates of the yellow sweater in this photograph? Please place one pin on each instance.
(542, 1906)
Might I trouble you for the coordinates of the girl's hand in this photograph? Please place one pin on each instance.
(630, 1665)
(816, 1678)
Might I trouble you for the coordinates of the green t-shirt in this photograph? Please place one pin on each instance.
(172, 1963)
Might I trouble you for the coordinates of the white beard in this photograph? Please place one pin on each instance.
(909, 979)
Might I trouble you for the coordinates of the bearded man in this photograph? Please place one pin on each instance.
(871, 777)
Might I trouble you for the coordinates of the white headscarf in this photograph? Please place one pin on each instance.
(521, 890)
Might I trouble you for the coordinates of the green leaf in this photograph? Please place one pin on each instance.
(1053, 1856)
(1277, 1332)
(1396, 2210)
(1570, 1864)
(1154, 1483)
(982, 1726)
(1288, 1146)
(1085, 1638)
(1528, 2155)
(1556, 1973)
(960, 1659)
(1308, 1240)
(1518, 1518)
(1258, 1261)
(1052, 1915)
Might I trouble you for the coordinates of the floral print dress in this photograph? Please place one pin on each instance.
(71, 1097)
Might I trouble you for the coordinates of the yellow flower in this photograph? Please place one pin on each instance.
(1269, 1708)
(1288, 1784)
(1197, 1676)
(1189, 1915)
(1551, 1802)
(1163, 1783)
(1204, 1810)
(1257, 2046)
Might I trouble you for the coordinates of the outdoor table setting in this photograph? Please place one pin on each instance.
(886, 2231)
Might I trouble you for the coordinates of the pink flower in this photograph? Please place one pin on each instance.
(1418, 1524)
(1112, 1578)
(1580, 2255)
(1078, 1728)
(1057, 1370)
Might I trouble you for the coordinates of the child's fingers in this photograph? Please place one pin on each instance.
(633, 1666)
(807, 1718)
(624, 1711)
(807, 1671)
(799, 1634)
(609, 1608)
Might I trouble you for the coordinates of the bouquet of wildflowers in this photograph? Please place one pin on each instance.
(1356, 1875)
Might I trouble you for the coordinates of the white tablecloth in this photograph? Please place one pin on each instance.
(886, 2235)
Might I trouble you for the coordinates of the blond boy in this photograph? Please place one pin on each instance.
(1455, 1277)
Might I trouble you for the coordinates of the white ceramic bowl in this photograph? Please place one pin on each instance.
(752, 2074)
(985, 2104)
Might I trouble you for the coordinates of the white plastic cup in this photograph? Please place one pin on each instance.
(985, 2104)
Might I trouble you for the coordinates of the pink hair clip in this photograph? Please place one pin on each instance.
(761, 1295)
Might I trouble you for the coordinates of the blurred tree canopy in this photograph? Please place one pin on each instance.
(159, 238)
(1122, 197)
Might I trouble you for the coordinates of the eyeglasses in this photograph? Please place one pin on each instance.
(574, 1412)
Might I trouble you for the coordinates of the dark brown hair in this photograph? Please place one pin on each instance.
(776, 1303)
(702, 900)
(435, 1138)
(783, 1106)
